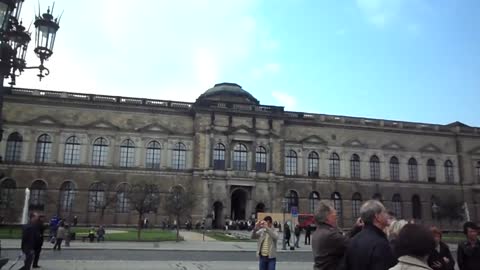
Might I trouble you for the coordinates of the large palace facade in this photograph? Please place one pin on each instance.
(73, 151)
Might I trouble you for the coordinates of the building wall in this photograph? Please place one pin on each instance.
(200, 129)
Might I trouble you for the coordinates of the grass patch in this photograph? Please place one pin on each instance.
(10, 232)
(129, 234)
(453, 238)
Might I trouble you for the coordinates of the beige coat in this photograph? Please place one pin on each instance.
(410, 263)
(260, 234)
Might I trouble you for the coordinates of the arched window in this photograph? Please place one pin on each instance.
(313, 200)
(416, 207)
(7, 193)
(292, 199)
(261, 159)
(72, 151)
(412, 170)
(356, 204)
(127, 154)
(431, 171)
(44, 149)
(100, 152)
(374, 168)
(313, 164)
(123, 204)
(179, 158)
(394, 169)
(67, 195)
(14, 147)
(153, 155)
(449, 171)
(355, 167)
(240, 157)
(334, 166)
(291, 163)
(478, 171)
(219, 157)
(337, 203)
(96, 197)
(38, 191)
(397, 205)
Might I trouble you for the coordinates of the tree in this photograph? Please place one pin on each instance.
(101, 196)
(450, 208)
(179, 203)
(144, 198)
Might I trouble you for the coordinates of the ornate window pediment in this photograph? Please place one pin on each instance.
(430, 148)
(393, 146)
(354, 143)
(45, 120)
(157, 128)
(475, 151)
(242, 130)
(313, 139)
(101, 124)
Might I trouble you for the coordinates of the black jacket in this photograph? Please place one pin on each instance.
(468, 256)
(31, 237)
(328, 246)
(369, 250)
(436, 256)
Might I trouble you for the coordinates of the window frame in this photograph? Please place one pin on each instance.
(394, 167)
(291, 163)
(219, 156)
(412, 169)
(179, 156)
(71, 155)
(355, 167)
(261, 159)
(13, 151)
(100, 151)
(334, 165)
(43, 150)
(313, 164)
(240, 157)
(375, 168)
(153, 155)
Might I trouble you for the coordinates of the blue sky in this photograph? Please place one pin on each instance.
(410, 60)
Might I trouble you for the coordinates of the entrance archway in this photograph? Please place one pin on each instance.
(218, 212)
(239, 204)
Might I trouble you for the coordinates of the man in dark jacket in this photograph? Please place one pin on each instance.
(369, 249)
(468, 252)
(328, 243)
(39, 244)
(30, 240)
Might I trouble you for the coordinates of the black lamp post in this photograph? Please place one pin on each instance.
(14, 39)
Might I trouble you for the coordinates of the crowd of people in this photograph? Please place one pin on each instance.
(378, 241)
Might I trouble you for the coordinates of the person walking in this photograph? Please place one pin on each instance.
(38, 247)
(287, 234)
(297, 235)
(91, 234)
(369, 249)
(267, 243)
(30, 240)
(414, 244)
(328, 243)
(308, 232)
(59, 237)
(468, 252)
(67, 235)
(101, 234)
(440, 258)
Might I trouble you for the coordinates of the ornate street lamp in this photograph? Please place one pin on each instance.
(14, 39)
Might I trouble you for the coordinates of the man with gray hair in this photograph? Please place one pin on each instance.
(369, 249)
(328, 243)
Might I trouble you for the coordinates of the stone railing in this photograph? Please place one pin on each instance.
(99, 98)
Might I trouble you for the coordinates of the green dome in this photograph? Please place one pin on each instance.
(226, 91)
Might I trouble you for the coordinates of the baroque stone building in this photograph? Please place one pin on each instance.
(77, 151)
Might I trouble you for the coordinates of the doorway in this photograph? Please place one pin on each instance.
(239, 204)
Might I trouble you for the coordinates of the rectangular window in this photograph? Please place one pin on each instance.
(178, 160)
(96, 200)
(127, 157)
(355, 169)
(261, 162)
(100, 153)
(72, 154)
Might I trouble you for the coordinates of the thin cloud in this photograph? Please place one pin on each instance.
(284, 99)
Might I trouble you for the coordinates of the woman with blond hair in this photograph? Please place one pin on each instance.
(392, 232)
